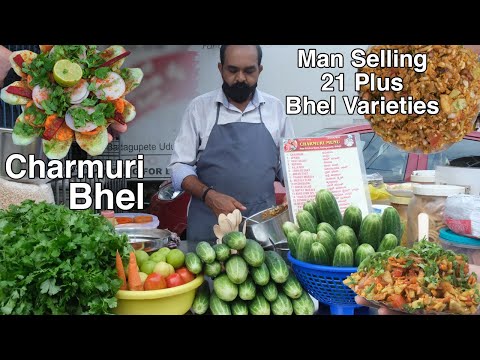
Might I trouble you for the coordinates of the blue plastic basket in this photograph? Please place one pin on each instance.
(325, 283)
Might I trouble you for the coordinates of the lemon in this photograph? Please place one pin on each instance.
(67, 73)
(141, 257)
(176, 258)
(148, 266)
(164, 251)
(157, 257)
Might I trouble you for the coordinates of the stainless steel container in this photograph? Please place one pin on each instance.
(146, 239)
(268, 232)
(7, 148)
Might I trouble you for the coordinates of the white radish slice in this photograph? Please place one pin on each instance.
(40, 94)
(79, 92)
(110, 88)
(84, 97)
(89, 126)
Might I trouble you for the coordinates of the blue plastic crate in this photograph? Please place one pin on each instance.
(325, 283)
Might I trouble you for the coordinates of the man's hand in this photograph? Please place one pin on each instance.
(221, 203)
(117, 127)
(381, 310)
(4, 63)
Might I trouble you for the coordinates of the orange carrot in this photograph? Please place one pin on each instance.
(119, 105)
(49, 120)
(142, 219)
(121, 272)
(124, 220)
(134, 281)
(64, 133)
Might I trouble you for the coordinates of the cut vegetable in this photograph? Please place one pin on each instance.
(15, 90)
(115, 59)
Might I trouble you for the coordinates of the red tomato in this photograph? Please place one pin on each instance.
(186, 275)
(397, 301)
(155, 281)
(174, 280)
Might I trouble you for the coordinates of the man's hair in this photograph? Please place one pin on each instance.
(223, 48)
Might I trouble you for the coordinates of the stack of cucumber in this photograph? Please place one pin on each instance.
(246, 280)
(324, 237)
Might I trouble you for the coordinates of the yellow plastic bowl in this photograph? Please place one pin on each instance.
(172, 301)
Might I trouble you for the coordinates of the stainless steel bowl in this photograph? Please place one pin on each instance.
(267, 233)
(146, 239)
(7, 148)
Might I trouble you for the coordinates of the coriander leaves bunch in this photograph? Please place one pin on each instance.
(57, 261)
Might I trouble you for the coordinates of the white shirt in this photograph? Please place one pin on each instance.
(199, 119)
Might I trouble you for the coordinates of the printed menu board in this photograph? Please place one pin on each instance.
(331, 162)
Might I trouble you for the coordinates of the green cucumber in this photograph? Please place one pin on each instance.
(328, 209)
(277, 267)
(282, 305)
(253, 253)
(353, 217)
(235, 240)
(292, 240)
(327, 228)
(305, 241)
(310, 206)
(303, 305)
(318, 255)
(260, 275)
(225, 289)
(270, 291)
(363, 251)
(306, 221)
(346, 235)
(205, 252)
(218, 306)
(213, 269)
(343, 256)
(239, 307)
(247, 290)
(193, 263)
(202, 299)
(236, 269)
(292, 287)
(259, 305)
(391, 222)
(222, 252)
(371, 230)
(328, 242)
(389, 242)
(289, 226)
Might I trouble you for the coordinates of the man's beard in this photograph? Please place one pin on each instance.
(238, 92)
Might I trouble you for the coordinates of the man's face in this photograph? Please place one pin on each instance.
(241, 65)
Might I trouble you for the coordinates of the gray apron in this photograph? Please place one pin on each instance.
(240, 160)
